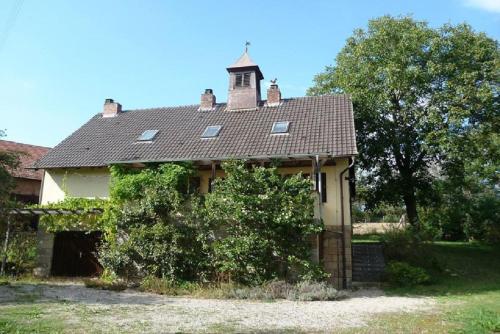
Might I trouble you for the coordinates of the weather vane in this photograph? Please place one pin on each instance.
(247, 44)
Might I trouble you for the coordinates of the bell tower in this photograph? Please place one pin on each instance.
(244, 83)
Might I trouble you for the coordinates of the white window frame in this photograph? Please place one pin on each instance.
(279, 123)
(152, 135)
(217, 128)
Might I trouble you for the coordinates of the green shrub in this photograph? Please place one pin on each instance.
(97, 283)
(164, 286)
(310, 291)
(21, 251)
(265, 222)
(279, 289)
(404, 274)
(408, 246)
(272, 290)
(153, 234)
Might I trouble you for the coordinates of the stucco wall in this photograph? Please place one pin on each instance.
(331, 209)
(94, 182)
(77, 182)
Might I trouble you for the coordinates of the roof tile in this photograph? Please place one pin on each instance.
(318, 125)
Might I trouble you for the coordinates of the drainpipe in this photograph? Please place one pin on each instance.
(319, 185)
(342, 223)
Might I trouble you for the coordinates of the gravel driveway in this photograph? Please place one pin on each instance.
(132, 311)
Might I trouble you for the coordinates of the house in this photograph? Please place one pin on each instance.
(313, 135)
(27, 181)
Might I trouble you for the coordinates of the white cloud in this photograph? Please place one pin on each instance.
(488, 5)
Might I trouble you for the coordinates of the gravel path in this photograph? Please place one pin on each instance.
(135, 311)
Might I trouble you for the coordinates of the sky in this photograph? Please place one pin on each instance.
(59, 60)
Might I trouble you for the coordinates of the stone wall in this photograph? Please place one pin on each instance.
(45, 246)
(331, 254)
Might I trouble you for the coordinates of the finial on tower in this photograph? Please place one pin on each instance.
(247, 44)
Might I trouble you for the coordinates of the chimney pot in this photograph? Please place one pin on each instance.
(111, 108)
(207, 100)
(273, 95)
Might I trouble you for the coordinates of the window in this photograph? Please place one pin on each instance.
(211, 131)
(280, 127)
(194, 184)
(242, 79)
(147, 135)
(323, 186)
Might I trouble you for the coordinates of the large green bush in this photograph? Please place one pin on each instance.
(409, 246)
(404, 274)
(153, 234)
(254, 226)
(264, 223)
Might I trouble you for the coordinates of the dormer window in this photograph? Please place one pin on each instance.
(280, 127)
(147, 136)
(242, 79)
(211, 131)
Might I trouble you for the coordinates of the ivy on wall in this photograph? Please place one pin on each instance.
(85, 220)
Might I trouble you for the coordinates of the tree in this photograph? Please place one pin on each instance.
(264, 223)
(8, 162)
(419, 95)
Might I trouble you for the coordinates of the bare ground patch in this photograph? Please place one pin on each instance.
(84, 309)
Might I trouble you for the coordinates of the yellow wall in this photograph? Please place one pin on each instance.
(76, 182)
(330, 209)
(94, 182)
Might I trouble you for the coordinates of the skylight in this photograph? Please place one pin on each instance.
(147, 135)
(211, 131)
(280, 127)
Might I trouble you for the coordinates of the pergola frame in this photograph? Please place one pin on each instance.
(37, 212)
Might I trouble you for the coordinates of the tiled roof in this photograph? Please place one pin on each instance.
(318, 125)
(243, 61)
(28, 155)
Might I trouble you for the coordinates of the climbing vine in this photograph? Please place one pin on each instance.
(81, 215)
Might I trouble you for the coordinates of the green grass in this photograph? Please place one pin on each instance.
(467, 268)
(467, 290)
(27, 318)
(366, 238)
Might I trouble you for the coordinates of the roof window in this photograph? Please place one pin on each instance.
(280, 127)
(147, 135)
(211, 131)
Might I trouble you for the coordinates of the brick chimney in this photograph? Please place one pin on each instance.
(273, 94)
(111, 108)
(207, 100)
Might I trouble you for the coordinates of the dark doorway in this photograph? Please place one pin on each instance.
(75, 254)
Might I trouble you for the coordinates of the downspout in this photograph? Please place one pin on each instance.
(342, 222)
(319, 237)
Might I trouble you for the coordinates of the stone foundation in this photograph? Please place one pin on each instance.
(45, 247)
(331, 256)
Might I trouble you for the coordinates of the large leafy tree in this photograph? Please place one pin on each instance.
(8, 162)
(422, 98)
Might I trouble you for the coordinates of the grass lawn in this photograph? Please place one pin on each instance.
(467, 290)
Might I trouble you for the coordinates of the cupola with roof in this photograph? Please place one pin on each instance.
(244, 84)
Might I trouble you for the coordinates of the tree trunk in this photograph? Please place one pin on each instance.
(411, 207)
(5, 248)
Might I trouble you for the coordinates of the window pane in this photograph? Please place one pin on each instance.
(211, 131)
(280, 127)
(147, 135)
(238, 80)
(246, 80)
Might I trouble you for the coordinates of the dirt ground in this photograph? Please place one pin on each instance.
(75, 308)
